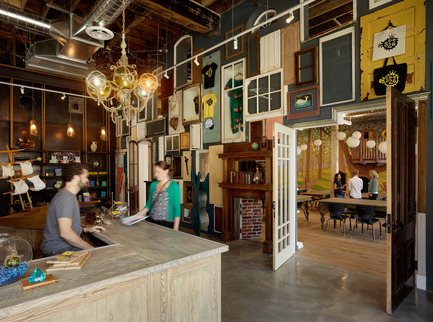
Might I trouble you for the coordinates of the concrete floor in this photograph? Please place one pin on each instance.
(304, 290)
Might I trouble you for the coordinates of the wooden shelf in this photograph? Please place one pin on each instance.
(247, 155)
(227, 185)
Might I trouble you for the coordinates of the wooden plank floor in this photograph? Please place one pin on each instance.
(358, 254)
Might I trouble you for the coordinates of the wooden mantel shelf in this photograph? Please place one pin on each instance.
(249, 155)
(226, 185)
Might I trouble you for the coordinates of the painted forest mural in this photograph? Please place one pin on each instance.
(314, 159)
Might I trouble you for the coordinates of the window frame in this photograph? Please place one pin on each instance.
(269, 113)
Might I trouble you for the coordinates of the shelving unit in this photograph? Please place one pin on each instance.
(233, 153)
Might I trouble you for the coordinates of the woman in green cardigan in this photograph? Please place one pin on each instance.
(164, 198)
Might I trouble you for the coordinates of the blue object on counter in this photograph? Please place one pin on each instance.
(37, 276)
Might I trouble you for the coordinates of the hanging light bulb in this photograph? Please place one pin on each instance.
(103, 136)
(33, 128)
(70, 132)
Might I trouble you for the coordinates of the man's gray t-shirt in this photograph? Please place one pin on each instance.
(63, 205)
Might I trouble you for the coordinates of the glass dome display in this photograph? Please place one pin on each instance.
(119, 209)
(15, 256)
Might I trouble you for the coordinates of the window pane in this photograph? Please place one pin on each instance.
(228, 75)
(252, 105)
(306, 59)
(252, 88)
(263, 103)
(263, 85)
(275, 101)
(275, 81)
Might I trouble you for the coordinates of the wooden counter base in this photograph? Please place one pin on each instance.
(154, 274)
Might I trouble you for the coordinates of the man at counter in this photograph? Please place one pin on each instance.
(63, 225)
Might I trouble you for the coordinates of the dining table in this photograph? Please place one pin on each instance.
(378, 205)
(304, 205)
(317, 195)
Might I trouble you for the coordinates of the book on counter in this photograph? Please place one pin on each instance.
(131, 220)
(68, 260)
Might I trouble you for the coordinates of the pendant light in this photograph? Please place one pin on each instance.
(33, 128)
(70, 132)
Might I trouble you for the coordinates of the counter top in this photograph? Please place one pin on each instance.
(134, 251)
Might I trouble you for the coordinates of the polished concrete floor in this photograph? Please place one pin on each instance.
(304, 290)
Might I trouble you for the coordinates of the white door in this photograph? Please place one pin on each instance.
(284, 194)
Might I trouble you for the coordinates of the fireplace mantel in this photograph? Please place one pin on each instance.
(243, 152)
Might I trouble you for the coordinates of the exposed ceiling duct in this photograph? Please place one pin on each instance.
(71, 48)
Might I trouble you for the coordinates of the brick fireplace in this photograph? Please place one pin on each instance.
(251, 214)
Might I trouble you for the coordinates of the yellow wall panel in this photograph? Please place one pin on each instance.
(410, 13)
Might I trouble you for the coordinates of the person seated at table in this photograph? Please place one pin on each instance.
(373, 185)
(338, 186)
(63, 225)
(355, 185)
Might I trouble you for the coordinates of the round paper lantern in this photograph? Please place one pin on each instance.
(303, 147)
(352, 142)
(341, 136)
(371, 144)
(357, 135)
(298, 150)
(317, 142)
(382, 147)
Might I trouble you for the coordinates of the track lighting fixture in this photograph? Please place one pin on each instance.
(290, 17)
(22, 90)
(196, 62)
(63, 96)
(235, 44)
(166, 75)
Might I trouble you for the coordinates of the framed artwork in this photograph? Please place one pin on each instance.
(253, 54)
(187, 194)
(303, 103)
(186, 165)
(191, 104)
(186, 214)
(306, 66)
(231, 51)
(75, 104)
(168, 159)
(184, 141)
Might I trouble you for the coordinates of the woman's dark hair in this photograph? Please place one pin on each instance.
(72, 169)
(335, 177)
(163, 165)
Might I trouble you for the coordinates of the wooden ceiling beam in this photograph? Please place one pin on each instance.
(185, 13)
(223, 5)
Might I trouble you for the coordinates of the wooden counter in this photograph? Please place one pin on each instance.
(147, 273)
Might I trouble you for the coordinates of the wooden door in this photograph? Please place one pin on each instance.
(401, 206)
(133, 177)
(284, 194)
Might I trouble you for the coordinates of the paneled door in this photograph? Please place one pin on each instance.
(284, 194)
(401, 206)
(133, 177)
